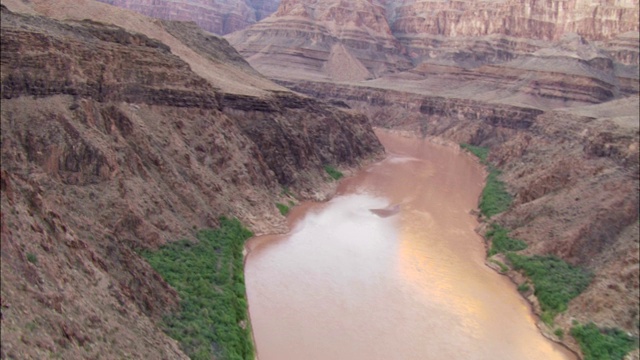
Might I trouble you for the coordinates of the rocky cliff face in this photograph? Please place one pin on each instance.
(216, 16)
(380, 38)
(337, 40)
(547, 20)
(113, 142)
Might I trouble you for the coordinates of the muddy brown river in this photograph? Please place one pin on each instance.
(391, 268)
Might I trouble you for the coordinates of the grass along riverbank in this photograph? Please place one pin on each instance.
(495, 198)
(603, 344)
(555, 281)
(209, 278)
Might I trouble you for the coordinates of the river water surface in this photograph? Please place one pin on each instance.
(391, 268)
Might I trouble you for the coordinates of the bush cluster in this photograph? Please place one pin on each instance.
(501, 242)
(333, 172)
(208, 276)
(495, 198)
(284, 209)
(556, 282)
(481, 152)
(603, 344)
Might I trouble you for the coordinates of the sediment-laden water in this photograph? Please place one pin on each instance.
(391, 268)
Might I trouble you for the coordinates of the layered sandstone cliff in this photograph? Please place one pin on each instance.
(547, 20)
(116, 140)
(216, 16)
(537, 54)
(326, 40)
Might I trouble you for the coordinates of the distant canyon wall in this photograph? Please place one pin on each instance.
(216, 16)
(545, 20)
(360, 40)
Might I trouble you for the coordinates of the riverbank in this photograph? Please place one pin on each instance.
(547, 282)
(348, 283)
(208, 275)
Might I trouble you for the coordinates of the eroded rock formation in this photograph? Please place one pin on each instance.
(112, 142)
(216, 16)
(542, 54)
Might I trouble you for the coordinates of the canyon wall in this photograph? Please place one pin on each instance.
(547, 20)
(216, 16)
(346, 40)
(112, 143)
(363, 40)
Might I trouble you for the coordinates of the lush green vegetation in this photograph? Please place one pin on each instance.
(606, 344)
(481, 152)
(495, 198)
(501, 242)
(333, 172)
(503, 268)
(208, 275)
(559, 333)
(524, 287)
(556, 282)
(284, 209)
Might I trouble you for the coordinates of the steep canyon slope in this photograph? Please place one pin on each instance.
(121, 133)
(551, 87)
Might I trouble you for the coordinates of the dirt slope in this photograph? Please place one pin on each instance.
(114, 141)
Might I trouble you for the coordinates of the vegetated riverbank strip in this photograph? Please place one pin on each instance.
(554, 281)
(208, 275)
(213, 320)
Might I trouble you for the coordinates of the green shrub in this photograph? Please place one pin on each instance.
(495, 198)
(559, 333)
(32, 258)
(284, 209)
(556, 282)
(603, 344)
(501, 242)
(333, 172)
(208, 276)
(547, 317)
(524, 287)
(481, 152)
(503, 268)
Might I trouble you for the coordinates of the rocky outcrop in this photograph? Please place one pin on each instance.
(112, 143)
(543, 55)
(328, 40)
(216, 16)
(547, 20)
(456, 119)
